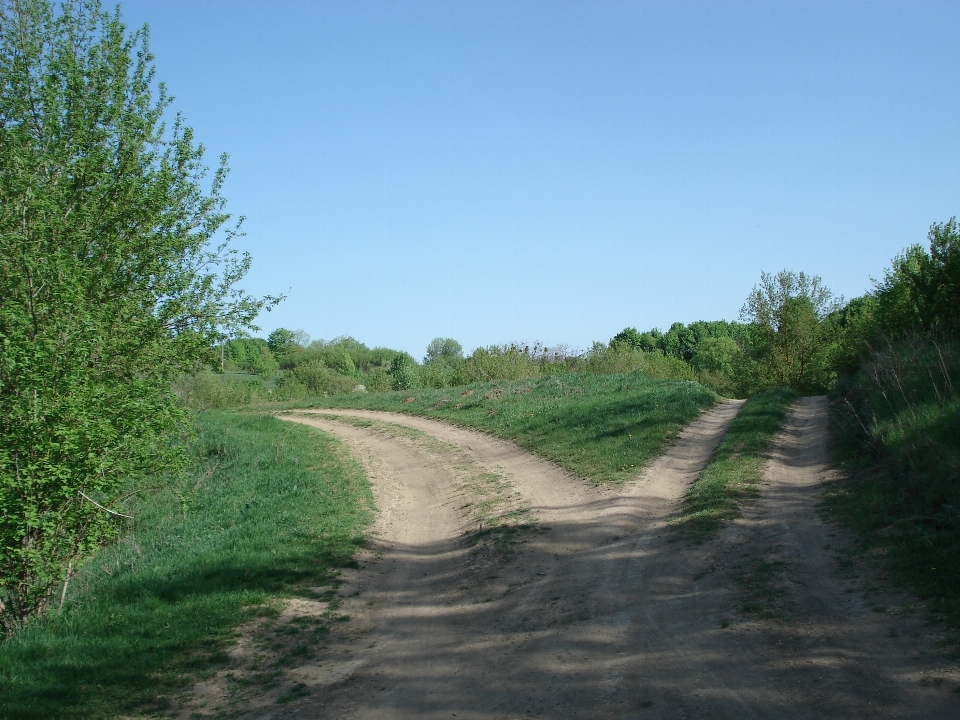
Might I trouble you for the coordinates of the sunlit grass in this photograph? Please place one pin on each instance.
(603, 427)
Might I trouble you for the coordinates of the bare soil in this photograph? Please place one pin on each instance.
(496, 585)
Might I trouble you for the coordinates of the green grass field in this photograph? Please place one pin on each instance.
(602, 427)
(270, 510)
(737, 466)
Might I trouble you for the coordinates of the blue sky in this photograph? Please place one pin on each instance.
(520, 171)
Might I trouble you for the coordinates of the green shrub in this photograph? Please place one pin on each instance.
(498, 362)
(622, 358)
(206, 390)
(403, 373)
(439, 373)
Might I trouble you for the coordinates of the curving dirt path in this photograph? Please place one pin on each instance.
(584, 604)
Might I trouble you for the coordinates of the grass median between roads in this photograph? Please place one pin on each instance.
(270, 510)
(737, 467)
(603, 427)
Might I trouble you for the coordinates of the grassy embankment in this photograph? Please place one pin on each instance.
(896, 426)
(269, 511)
(736, 469)
(602, 427)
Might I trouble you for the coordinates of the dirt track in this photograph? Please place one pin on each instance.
(595, 610)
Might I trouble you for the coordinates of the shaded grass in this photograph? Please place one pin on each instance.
(603, 427)
(736, 468)
(894, 429)
(270, 510)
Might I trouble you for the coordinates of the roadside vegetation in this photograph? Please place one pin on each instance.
(602, 427)
(896, 420)
(268, 510)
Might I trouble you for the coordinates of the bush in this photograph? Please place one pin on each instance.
(207, 390)
(622, 358)
(403, 373)
(439, 373)
(498, 362)
(252, 355)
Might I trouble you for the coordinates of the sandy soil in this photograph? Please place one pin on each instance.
(592, 608)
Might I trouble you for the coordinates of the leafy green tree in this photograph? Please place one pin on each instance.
(403, 373)
(252, 355)
(443, 349)
(920, 293)
(628, 337)
(794, 338)
(115, 274)
(280, 342)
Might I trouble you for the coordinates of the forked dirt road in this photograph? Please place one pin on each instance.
(591, 607)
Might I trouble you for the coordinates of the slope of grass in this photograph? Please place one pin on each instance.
(603, 427)
(895, 429)
(270, 510)
(737, 466)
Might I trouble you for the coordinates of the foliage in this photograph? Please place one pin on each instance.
(896, 423)
(620, 357)
(282, 341)
(604, 427)
(736, 469)
(440, 373)
(252, 355)
(204, 390)
(443, 348)
(268, 510)
(498, 362)
(793, 346)
(403, 373)
(920, 293)
(319, 380)
(115, 275)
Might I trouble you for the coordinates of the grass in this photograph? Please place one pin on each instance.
(894, 429)
(270, 510)
(603, 427)
(736, 469)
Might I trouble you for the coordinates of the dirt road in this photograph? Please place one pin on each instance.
(587, 605)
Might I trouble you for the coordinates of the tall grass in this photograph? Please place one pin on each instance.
(604, 427)
(270, 510)
(896, 426)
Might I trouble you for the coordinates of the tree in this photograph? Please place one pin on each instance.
(116, 272)
(282, 341)
(443, 349)
(628, 337)
(920, 293)
(792, 342)
(403, 373)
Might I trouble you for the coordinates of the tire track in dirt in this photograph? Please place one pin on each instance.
(833, 644)
(541, 634)
(597, 610)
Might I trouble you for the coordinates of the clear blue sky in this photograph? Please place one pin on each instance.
(519, 171)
